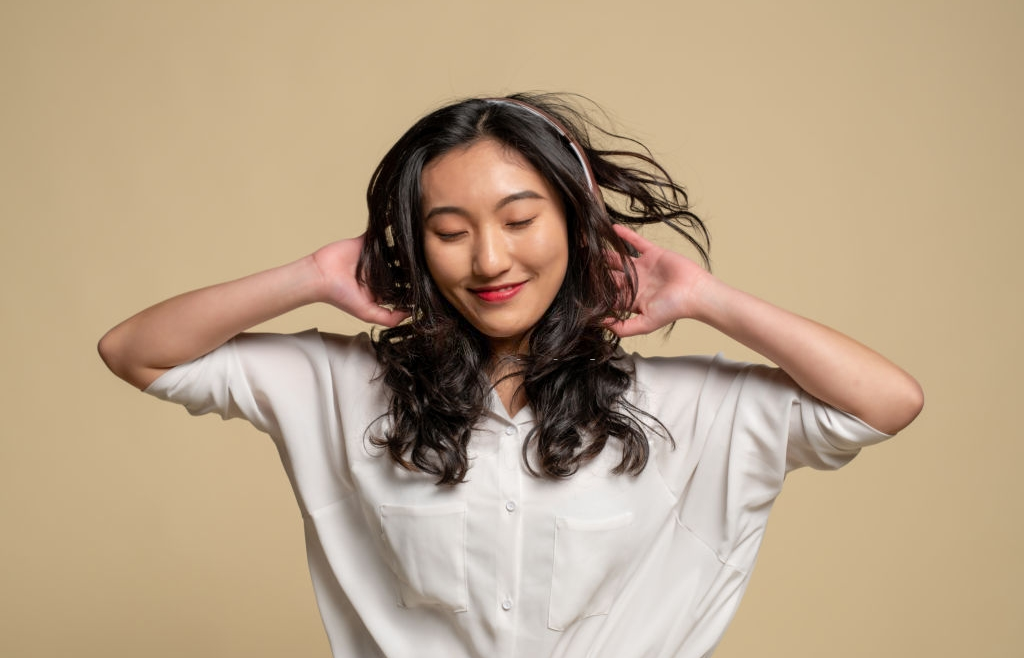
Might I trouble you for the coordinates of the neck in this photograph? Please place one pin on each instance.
(503, 348)
(506, 378)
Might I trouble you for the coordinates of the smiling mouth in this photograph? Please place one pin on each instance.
(498, 293)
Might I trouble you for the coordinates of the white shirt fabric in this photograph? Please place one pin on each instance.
(508, 564)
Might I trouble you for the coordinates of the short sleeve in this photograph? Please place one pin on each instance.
(744, 418)
(313, 393)
(253, 376)
(823, 437)
(737, 429)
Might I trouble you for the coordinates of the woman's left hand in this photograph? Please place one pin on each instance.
(668, 286)
(825, 363)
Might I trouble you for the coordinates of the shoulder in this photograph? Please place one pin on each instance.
(256, 375)
(269, 357)
(325, 356)
(310, 339)
(357, 346)
(692, 392)
(702, 372)
(311, 344)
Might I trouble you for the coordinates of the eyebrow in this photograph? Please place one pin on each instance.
(504, 201)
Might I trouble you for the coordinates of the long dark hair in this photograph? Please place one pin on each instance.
(436, 365)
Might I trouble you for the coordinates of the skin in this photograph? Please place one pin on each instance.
(827, 364)
(494, 239)
(475, 241)
(496, 246)
(187, 326)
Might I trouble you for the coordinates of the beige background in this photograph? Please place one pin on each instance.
(858, 162)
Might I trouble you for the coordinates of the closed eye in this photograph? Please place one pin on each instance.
(523, 223)
(449, 237)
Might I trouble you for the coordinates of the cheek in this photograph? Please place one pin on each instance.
(561, 257)
(557, 252)
(444, 275)
(435, 263)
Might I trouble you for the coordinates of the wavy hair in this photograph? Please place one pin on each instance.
(436, 365)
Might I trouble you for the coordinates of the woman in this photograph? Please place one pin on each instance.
(490, 475)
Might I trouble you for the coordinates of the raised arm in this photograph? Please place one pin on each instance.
(185, 327)
(827, 364)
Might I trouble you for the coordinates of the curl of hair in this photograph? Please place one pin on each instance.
(436, 365)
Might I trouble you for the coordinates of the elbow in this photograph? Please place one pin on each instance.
(918, 399)
(915, 401)
(114, 355)
(110, 352)
(905, 404)
(115, 348)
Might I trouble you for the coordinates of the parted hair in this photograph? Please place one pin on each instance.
(436, 366)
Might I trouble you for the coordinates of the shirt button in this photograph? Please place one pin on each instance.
(510, 431)
(506, 604)
(510, 506)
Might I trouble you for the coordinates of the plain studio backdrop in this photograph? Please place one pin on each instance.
(857, 162)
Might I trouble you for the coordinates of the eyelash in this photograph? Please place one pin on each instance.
(449, 237)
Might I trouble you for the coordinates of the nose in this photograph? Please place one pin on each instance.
(491, 255)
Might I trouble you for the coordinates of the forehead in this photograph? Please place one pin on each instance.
(481, 168)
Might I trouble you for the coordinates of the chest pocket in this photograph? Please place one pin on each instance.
(591, 556)
(427, 546)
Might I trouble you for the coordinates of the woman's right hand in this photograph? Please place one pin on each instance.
(190, 325)
(336, 264)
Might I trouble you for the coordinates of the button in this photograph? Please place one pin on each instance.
(506, 604)
(510, 506)
(510, 430)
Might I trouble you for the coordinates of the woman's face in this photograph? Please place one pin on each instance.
(494, 237)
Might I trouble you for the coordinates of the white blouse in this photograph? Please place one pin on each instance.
(508, 564)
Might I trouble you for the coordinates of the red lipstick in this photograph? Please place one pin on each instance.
(498, 293)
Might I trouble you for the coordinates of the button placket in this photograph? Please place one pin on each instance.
(510, 525)
(509, 449)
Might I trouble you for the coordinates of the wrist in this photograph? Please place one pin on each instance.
(709, 299)
(309, 283)
(294, 284)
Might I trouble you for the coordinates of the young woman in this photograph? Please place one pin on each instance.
(490, 475)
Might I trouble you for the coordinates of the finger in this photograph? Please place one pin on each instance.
(637, 324)
(384, 317)
(639, 242)
(633, 326)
